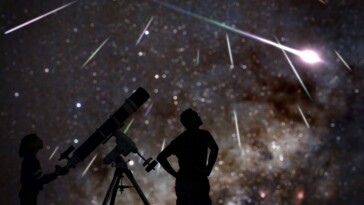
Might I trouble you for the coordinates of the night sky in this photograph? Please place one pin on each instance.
(283, 139)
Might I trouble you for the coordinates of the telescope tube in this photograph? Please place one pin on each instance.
(136, 100)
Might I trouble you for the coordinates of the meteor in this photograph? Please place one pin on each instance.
(148, 109)
(342, 60)
(333, 80)
(237, 130)
(303, 116)
(163, 144)
(230, 53)
(38, 18)
(296, 73)
(89, 165)
(145, 29)
(95, 52)
(197, 62)
(308, 56)
(54, 152)
(323, 2)
(128, 126)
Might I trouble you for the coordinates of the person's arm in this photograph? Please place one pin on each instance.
(214, 150)
(162, 159)
(47, 178)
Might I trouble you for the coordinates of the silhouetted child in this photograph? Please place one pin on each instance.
(191, 149)
(32, 179)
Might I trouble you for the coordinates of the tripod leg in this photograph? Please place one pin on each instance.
(115, 190)
(136, 186)
(112, 188)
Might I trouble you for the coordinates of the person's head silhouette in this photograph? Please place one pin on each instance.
(30, 145)
(190, 119)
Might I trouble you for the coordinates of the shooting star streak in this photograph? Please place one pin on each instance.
(306, 55)
(197, 60)
(54, 152)
(230, 53)
(38, 18)
(89, 165)
(128, 126)
(163, 144)
(342, 60)
(95, 52)
(333, 80)
(145, 29)
(296, 73)
(303, 116)
(323, 2)
(237, 130)
(140, 159)
(148, 110)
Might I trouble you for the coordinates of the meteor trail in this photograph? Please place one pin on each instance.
(163, 144)
(142, 34)
(333, 80)
(197, 57)
(237, 130)
(323, 1)
(296, 73)
(95, 52)
(128, 126)
(306, 55)
(148, 110)
(38, 18)
(230, 54)
(342, 60)
(89, 165)
(54, 152)
(303, 116)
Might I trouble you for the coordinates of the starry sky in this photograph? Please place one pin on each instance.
(282, 140)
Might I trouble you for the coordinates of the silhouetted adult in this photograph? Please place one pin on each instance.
(32, 178)
(191, 149)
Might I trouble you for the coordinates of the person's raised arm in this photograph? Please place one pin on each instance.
(162, 159)
(214, 150)
(46, 178)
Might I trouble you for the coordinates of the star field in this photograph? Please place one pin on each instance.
(64, 75)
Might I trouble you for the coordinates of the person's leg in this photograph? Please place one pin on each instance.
(28, 197)
(200, 192)
(183, 192)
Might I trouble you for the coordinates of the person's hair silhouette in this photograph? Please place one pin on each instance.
(32, 179)
(191, 149)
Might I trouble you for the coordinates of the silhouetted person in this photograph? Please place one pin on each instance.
(32, 179)
(191, 149)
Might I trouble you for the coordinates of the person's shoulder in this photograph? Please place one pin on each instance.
(183, 134)
(204, 132)
(179, 137)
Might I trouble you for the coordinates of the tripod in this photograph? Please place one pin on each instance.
(121, 168)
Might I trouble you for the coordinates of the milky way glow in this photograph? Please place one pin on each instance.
(287, 135)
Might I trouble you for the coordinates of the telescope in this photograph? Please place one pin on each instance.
(107, 130)
(124, 146)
